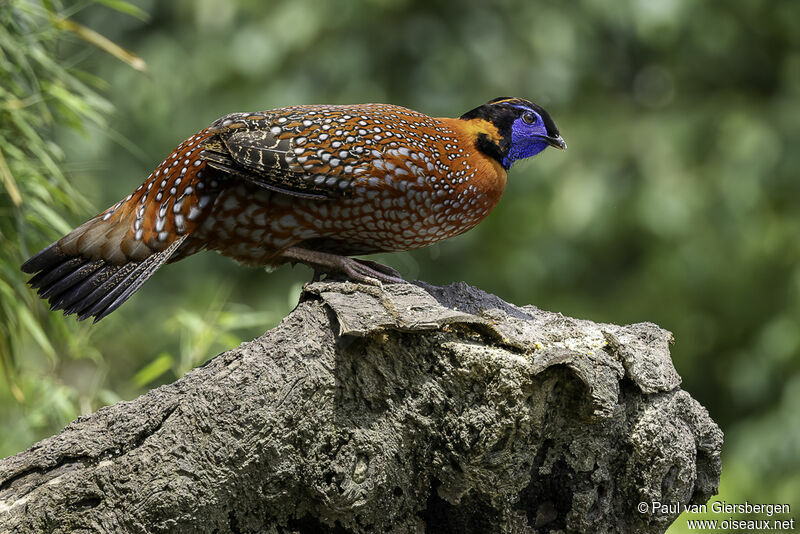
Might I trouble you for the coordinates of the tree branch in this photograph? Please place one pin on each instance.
(404, 408)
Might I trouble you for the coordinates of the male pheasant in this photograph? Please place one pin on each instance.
(309, 184)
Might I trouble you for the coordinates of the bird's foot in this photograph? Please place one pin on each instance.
(374, 266)
(363, 271)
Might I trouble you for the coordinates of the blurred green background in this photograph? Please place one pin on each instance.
(676, 202)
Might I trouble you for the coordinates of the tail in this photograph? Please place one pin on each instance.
(95, 268)
(80, 283)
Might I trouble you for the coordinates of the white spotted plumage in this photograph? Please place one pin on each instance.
(303, 183)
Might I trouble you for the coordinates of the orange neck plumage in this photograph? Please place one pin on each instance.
(492, 175)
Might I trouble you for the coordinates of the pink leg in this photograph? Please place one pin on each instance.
(364, 271)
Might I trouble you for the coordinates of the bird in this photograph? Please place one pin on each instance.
(310, 184)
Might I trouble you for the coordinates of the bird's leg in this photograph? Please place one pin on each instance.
(379, 267)
(364, 271)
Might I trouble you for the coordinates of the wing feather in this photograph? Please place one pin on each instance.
(323, 152)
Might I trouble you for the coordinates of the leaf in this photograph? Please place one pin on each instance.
(53, 218)
(35, 330)
(153, 370)
(102, 42)
(126, 7)
(9, 182)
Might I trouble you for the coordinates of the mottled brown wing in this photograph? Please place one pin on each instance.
(326, 151)
(246, 146)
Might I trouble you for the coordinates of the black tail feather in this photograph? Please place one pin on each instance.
(58, 286)
(74, 298)
(90, 287)
(44, 259)
(121, 291)
(45, 279)
(127, 286)
(101, 288)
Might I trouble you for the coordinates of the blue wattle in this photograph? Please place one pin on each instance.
(521, 150)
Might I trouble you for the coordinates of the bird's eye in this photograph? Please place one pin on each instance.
(529, 118)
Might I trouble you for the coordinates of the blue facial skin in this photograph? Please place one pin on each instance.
(528, 139)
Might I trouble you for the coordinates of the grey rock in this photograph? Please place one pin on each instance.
(406, 408)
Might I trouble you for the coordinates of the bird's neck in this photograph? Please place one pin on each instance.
(486, 159)
(485, 137)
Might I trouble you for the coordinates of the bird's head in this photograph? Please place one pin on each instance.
(523, 129)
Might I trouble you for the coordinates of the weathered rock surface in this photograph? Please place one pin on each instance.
(397, 409)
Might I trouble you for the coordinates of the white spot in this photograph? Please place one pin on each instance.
(231, 203)
(194, 213)
(288, 221)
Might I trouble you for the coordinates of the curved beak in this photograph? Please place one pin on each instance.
(556, 142)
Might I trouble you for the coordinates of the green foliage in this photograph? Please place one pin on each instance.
(675, 203)
(37, 92)
(53, 368)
